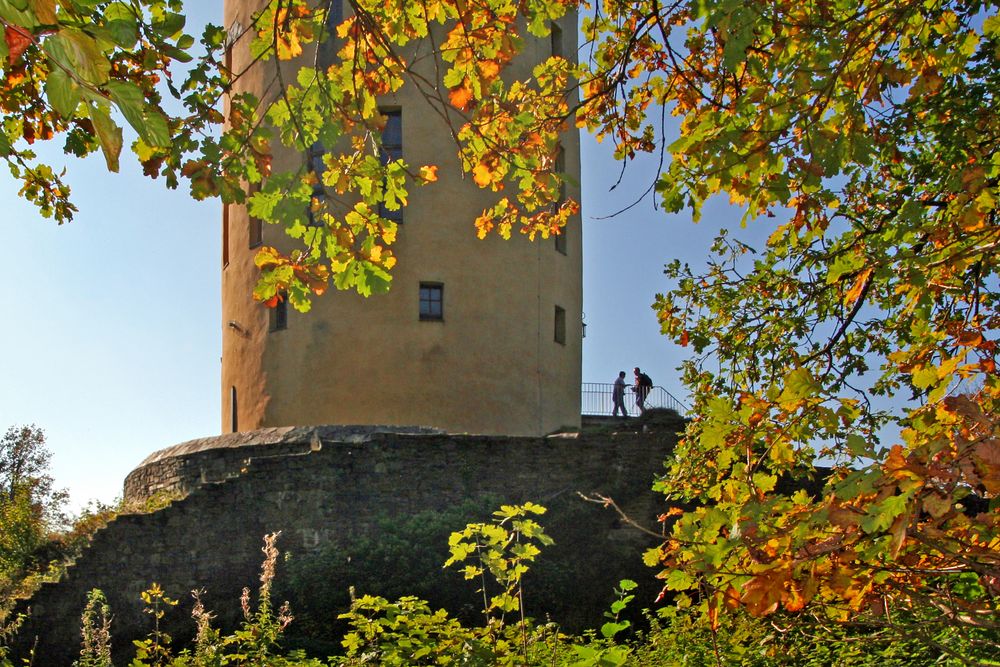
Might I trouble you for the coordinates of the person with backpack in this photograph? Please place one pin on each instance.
(643, 385)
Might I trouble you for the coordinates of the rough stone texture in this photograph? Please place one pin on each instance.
(318, 486)
(184, 467)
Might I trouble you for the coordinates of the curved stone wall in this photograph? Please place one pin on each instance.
(322, 486)
(184, 467)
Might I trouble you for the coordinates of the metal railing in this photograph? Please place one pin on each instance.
(596, 399)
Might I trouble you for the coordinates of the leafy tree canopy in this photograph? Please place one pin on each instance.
(30, 506)
(867, 131)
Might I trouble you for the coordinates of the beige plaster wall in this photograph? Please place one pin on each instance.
(491, 366)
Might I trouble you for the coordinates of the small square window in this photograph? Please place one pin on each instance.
(431, 301)
(560, 325)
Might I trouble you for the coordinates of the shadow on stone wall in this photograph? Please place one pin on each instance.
(363, 507)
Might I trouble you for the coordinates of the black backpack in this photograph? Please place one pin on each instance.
(645, 381)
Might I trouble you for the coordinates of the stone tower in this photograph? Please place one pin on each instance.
(475, 336)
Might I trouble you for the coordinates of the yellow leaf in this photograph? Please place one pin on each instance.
(482, 174)
(429, 173)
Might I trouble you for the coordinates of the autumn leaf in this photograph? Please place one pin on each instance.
(428, 173)
(461, 97)
(482, 175)
(857, 287)
(18, 40)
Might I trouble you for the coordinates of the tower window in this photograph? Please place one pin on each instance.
(317, 167)
(560, 325)
(560, 167)
(225, 235)
(556, 41)
(329, 46)
(279, 314)
(392, 150)
(255, 232)
(233, 412)
(431, 301)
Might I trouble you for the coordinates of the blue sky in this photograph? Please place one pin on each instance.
(112, 334)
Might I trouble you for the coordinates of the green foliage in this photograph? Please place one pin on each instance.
(68, 66)
(30, 506)
(155, 649)
(867, 132)
(95, 650)
(401, 557)
(409, 631)
(684, 637)
(505, 549)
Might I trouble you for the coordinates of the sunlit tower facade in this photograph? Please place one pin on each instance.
(475, 336)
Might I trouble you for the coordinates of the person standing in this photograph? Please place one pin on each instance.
(618, 395)
(643, 385)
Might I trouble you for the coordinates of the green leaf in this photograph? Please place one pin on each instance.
(79, 53)
(679, 580)
(858, 446)
(881, 515)
(123, 32)
(627, 585)
(63, 93)
(149, 122)
(18, 14)
(108, 134)
(848, 262)
(169, 24)
(609, 630)
(799, 384)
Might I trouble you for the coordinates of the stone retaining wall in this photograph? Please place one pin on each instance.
(319, 486)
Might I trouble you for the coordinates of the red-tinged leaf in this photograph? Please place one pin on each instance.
(18, 40)
(936, 505)
(987, 456)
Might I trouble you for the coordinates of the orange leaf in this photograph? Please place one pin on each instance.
(18, 40)
(460, 97)
(713, 612)
(858, 286)
(488, 69)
